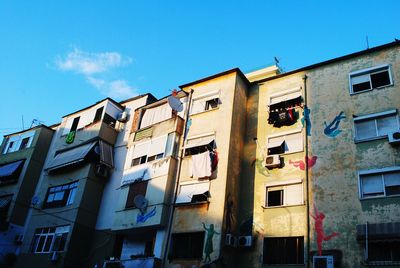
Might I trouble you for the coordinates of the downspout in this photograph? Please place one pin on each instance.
(307, 175)
(178, 173)
(366, 242)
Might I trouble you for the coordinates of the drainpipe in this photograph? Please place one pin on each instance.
(178, 173)
(307, 177)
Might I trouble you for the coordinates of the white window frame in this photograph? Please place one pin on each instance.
(149, 144)
(369, 71)
(59, 231)
(284, 185)
(284, 135)
(204, 98)
(381, 172)
(283, 93)
(17, 140)
(374, 117)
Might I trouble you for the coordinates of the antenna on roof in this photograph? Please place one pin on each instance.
(366, 39)
(36, 122)
(277, 60)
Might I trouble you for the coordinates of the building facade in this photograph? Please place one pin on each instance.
(21, 161)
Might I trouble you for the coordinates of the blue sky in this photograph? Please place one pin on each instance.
(60, 56)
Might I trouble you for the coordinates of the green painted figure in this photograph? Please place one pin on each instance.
(208, 249)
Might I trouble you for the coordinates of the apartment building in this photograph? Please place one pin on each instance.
(21, 160)
(78, 167)
(326, 175)
(138, 211)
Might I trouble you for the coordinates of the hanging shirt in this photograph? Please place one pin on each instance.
(201, 165)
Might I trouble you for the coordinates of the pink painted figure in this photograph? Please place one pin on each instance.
(301, 164)
(319, 229)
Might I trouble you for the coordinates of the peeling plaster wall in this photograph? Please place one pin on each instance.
(335, 180)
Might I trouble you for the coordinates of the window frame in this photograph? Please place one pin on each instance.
(16, 142)
(47, 232)
(206, 98)
(381, 172)
(299, 251)
(374, 117)
(370, 71)
(70, 190)
(186, 237)
(134, 189)
(284, 135)
(284, 185)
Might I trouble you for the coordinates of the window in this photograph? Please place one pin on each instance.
(376, 125)
(109, 120)
(384, 250)
(154, 149)
(9, 173)
(18, 142)
(200, 144)
(74, 124)
(290, 194)
(135, 189)
(193, 192)
(289, 142)
(60, 196)
(5, 202)
(24, 143)
(282, 107)
(99, 113)
(283, 250)
(50, 239)
(371, 78)
(206, 102)
(9, 147)
(379, 183)
(187, 245)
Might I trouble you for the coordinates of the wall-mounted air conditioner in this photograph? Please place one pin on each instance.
(323, 262)
(273, 161)
(394, 138)
(54, 256)
(123, 117)
(245, 241)
(230, 240)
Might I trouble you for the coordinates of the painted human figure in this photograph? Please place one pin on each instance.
(319, 229)
(302, 164)
(208, 249)
(332, 130)
(306, 121)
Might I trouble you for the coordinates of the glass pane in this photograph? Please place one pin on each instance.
(58, 196)
(71, 196)
(387, 125)
(50, 198)
(380, 79)
(392, 178)
(372, 185)
(47, 245)
(365, 129)
(39, 247)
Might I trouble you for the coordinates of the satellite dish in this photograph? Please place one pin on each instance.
(35, 200)
(141, 203)
(175, 103)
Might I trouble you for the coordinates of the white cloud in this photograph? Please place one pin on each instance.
(94, 66)
(87, 63)
(115, 89)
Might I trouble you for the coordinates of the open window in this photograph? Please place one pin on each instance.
(187, 245)
(286, 193)
(193, 192)
(207, 102)
(368, 79)
(282, 108)
(200, 145)
(285, 143)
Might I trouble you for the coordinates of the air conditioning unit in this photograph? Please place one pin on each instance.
(394, 138)
(123, 117)
(18, 239)
(101, 171)
(54, 256)
(323, 262)
(230, 240)
(112, 263)
(273, 161)
(245, 241)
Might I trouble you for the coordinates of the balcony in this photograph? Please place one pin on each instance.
(173, 124)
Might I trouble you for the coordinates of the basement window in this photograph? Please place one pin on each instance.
(368, 79)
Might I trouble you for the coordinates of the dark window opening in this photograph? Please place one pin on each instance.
(200, 197)
(10, 146)
(284, 113)
(212, 104)
(187, 246)
(384, 251)
(74, 124)
(283, 250)
(24, 143)
(392, 190)
(380, 79)
(277, 149)
(136, 188)
(361, 86)
(109, 120)
(200, 149)
(98, 114)
(139, 160)
(154, 157)
(274, 198)
(148, 248)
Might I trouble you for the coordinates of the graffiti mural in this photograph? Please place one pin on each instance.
(306, 121)
(319, 229)
(301, 164)
(208, 249)
(332, 130)
(229, 217)
(142, 217)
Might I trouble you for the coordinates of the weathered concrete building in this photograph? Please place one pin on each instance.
(21, 161)
(326, 184)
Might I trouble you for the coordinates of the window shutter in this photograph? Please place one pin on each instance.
(138, 188)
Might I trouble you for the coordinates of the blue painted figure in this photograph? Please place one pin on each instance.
(332, 130)
(144, 217)
(305, 121)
